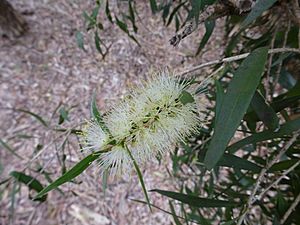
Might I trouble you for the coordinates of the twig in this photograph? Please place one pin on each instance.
(235, 58)
(267, 79)
(279, 179)
(253, 197)
(289, 211)
(215, 11)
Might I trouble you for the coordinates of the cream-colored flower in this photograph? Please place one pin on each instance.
(117, 161)
(94, 137)
(150, 121)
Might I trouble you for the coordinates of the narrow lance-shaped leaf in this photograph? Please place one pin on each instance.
(79, 40)
(165, 211)
(283, 165)
(209, 27)
(196, 201)
(153, 6)
(175, 217)
(282, 101)
(98, 43)
(175, 10)
(259, 7)
(95, 13)
(132, 16)
(235, 103)
(140, 176)
(107, 12)
(264, 111)
(96, 115)
(195, 12)
(239, 163)
(7, 147)
(285, 129)
(31, 182)
(219, 97)
(63, 115)
(39, 118)
(71, 174)
(123, 26)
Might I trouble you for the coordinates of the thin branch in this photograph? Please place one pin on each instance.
(279, 179)
(216, 11)
(235, 58)
(213, 12)
(291, 209)
(267, 79)
(253, 196)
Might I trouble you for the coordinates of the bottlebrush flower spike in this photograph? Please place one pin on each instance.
(94, 137)
(150, 121)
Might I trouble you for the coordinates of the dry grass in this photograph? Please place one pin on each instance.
(45, 69)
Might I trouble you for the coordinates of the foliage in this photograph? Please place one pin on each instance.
(247, 154)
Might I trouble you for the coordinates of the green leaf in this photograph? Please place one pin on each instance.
(195, 12)
(71, 174)
(286, 79)
(173, 13)
(140, 176)
(264, 111)
(186, 98)
(92, 19)
(209, 27)
(97, 116)
(175, 217)
(219, 97)
(31, 182)
(259, 7)
(123, 26)
(39, 118)
(87, 17)
(285, 129)
(79, 40)
(7, 147)
(196, 201)
(166, 10)
(153, 6)
(283, 165)
(63, 115)
(132, 16)
(239, 163)
(177, 23)
(235, 103)
(98, 42)
(165, 211)
(294, 91)
(107, 11)
(277, 106)
(281, 58)
(95, 13)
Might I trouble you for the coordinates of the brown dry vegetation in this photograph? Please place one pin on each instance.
(45, 69)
